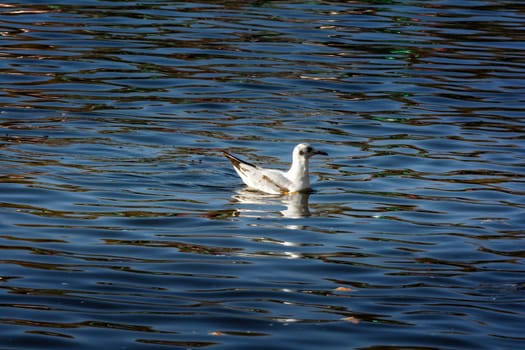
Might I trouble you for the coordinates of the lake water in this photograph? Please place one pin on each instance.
(122, 226)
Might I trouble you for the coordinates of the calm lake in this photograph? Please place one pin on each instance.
(122, 226)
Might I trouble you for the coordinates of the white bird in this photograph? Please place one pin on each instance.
(273, 181)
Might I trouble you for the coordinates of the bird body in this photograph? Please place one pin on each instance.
(296, 179)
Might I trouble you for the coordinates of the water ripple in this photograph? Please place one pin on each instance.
(121, 221)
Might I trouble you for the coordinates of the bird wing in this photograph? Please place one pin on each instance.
(271, 181)
(266, 180)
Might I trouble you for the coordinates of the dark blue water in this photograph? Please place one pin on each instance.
(123, 227)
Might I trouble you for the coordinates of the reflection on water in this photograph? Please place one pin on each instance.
(256, 204)
(120, 220)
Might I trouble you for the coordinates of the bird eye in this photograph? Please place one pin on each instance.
(309, 149)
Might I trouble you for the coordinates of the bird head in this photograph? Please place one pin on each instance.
(306, 151)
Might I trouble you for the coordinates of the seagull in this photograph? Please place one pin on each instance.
(273, 181)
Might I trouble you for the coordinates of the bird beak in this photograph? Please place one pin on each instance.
(323, 153)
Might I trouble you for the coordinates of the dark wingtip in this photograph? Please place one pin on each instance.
(234, 160)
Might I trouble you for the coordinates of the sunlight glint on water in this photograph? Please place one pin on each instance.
(122, 223)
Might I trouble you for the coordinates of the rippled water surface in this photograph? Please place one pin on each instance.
(122, 226)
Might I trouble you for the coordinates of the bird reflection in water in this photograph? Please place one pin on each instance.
(257, 204)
